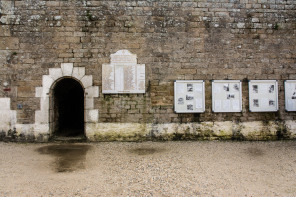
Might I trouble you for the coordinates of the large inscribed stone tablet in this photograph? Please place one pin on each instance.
(123, 74)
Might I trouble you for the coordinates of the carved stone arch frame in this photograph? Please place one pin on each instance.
(43, 117)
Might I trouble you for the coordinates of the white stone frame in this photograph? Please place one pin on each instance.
(42, 118)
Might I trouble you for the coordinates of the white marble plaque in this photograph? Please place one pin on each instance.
(189, 96)
(263, 95)
(290, 95)
(226, 96)
(123, 74)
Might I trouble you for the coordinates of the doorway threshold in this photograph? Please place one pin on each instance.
(70, 139)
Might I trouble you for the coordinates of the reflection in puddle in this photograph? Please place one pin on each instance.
(68, 157)
(256, 152)
(145, 151)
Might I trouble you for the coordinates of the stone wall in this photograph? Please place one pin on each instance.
(176, 40)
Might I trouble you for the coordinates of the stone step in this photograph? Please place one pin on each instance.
(64, 139)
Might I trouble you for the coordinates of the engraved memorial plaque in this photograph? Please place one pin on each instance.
(123, 74)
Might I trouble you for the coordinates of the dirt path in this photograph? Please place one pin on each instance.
(149, 169)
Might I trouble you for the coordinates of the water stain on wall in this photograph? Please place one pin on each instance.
(68, 157)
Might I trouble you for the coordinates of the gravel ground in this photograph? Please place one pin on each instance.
(203, 168)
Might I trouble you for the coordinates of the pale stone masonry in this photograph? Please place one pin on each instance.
(43, 42)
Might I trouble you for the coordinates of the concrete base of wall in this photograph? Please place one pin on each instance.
(228, 130)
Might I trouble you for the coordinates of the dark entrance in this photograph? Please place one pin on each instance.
(68, 110)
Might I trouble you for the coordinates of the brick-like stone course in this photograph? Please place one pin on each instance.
(176, 40)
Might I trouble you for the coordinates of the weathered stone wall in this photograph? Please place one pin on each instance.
(200, 40)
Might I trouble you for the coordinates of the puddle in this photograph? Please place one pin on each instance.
(68, 157)
(255, 152)
(145, 151)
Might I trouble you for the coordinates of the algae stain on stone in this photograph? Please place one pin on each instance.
(68, 157)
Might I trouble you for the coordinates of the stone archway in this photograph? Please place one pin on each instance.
(44, 117)
(67, 106)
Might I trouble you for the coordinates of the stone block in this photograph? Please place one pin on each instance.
(87, 81)
(52, 3)
(117, 131)
(41, 129)
(4, 104)
(89, 103)
(4, 126)
(46, 82)
(25, 91)
(241, 25)
(78, 72)
(66, 55)
(4, 56)
(44, 103)
(55, 73)
(38, 92)
(92, 91)
(291, 127)
(73, 39)
(4, 30)
(223, 129)
(10, 43)
(24, 128)
(67, 69)
(7, 7)
(92, 115)
(41, 117)
(5, 116)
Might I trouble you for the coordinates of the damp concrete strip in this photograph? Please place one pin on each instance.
(200, 168)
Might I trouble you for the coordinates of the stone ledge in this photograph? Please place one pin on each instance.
(228, 130)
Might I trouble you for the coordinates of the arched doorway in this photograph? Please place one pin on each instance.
(67, 108)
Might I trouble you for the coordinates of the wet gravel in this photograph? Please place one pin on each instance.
(203, 168)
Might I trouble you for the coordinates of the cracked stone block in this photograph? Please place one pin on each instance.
(78, 72)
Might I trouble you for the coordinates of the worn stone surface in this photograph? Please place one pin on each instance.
(176, 40)
(149, 169)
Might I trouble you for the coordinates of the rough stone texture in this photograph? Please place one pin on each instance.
(185, 40)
